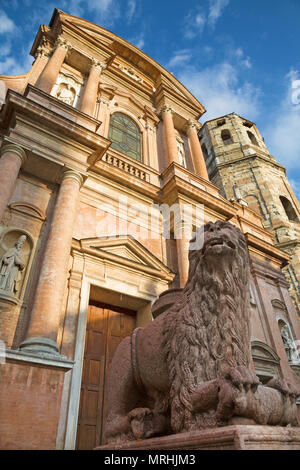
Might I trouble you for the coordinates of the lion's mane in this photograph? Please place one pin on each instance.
(209, 331)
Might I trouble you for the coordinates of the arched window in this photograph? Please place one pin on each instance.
(252, 138)
(289, 210)
(226, 137)
(125, 135)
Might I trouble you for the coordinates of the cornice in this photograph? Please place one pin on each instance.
(177, 186)
(16, 103)
(244, 158)
(267, 249)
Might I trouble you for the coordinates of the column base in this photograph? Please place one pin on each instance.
(40, 346)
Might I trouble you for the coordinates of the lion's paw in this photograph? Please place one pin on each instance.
(236, 395)
(286, 388)
(141, 421)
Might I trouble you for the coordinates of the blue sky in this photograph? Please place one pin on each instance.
(234, 56)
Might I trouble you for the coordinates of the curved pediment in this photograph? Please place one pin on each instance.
(115, 46)
(278, 304)
(28, 209)
(263, 351)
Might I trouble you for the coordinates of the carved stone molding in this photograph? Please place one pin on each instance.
(67, 88)
(131, 73)
(9, 147)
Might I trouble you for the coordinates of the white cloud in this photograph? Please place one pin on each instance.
(105, 12)
(282, 132)
(296, 186)
(216, 8)
(131, 7)
(194, 24)
(195, 20)
(6, 24)
(10, 66)
(244, 61)
(179, 58)
(5, 48)
(220, 89)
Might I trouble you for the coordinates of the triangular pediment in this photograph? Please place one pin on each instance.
(125, 250)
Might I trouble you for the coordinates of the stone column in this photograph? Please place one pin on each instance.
(169, 135)
(183, 235)
(91, 88)
(49, 75)
(46, 310)
(41, 59)
(197, 155)
(12, 158)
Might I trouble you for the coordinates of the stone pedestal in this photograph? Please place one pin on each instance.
(237, 437)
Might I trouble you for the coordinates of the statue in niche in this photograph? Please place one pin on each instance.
(11, 266)
(190, 369)
(288, 343)
(66, 94)
(181, 154)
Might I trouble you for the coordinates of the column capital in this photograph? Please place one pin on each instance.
(62, 42)
(13, 148)
(42, 51)
(166, 109)
(98, 65)
(192, 125)
(72, 174)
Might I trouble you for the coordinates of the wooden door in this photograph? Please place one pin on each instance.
(106, 327)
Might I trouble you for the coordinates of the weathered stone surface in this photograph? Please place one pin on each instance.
(235, 437)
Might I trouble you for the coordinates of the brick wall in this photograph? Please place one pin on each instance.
(30, 400)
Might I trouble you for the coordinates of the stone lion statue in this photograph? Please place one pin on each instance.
(190, 368)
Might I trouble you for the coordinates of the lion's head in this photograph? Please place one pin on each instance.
(218, 247)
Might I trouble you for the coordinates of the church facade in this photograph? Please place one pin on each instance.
(98, 141)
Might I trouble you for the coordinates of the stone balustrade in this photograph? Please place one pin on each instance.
(127, 167)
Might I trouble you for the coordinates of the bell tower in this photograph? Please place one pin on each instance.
(239, 163)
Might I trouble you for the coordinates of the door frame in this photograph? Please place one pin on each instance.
(75, 382)
(140, 275)
(106, 309)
